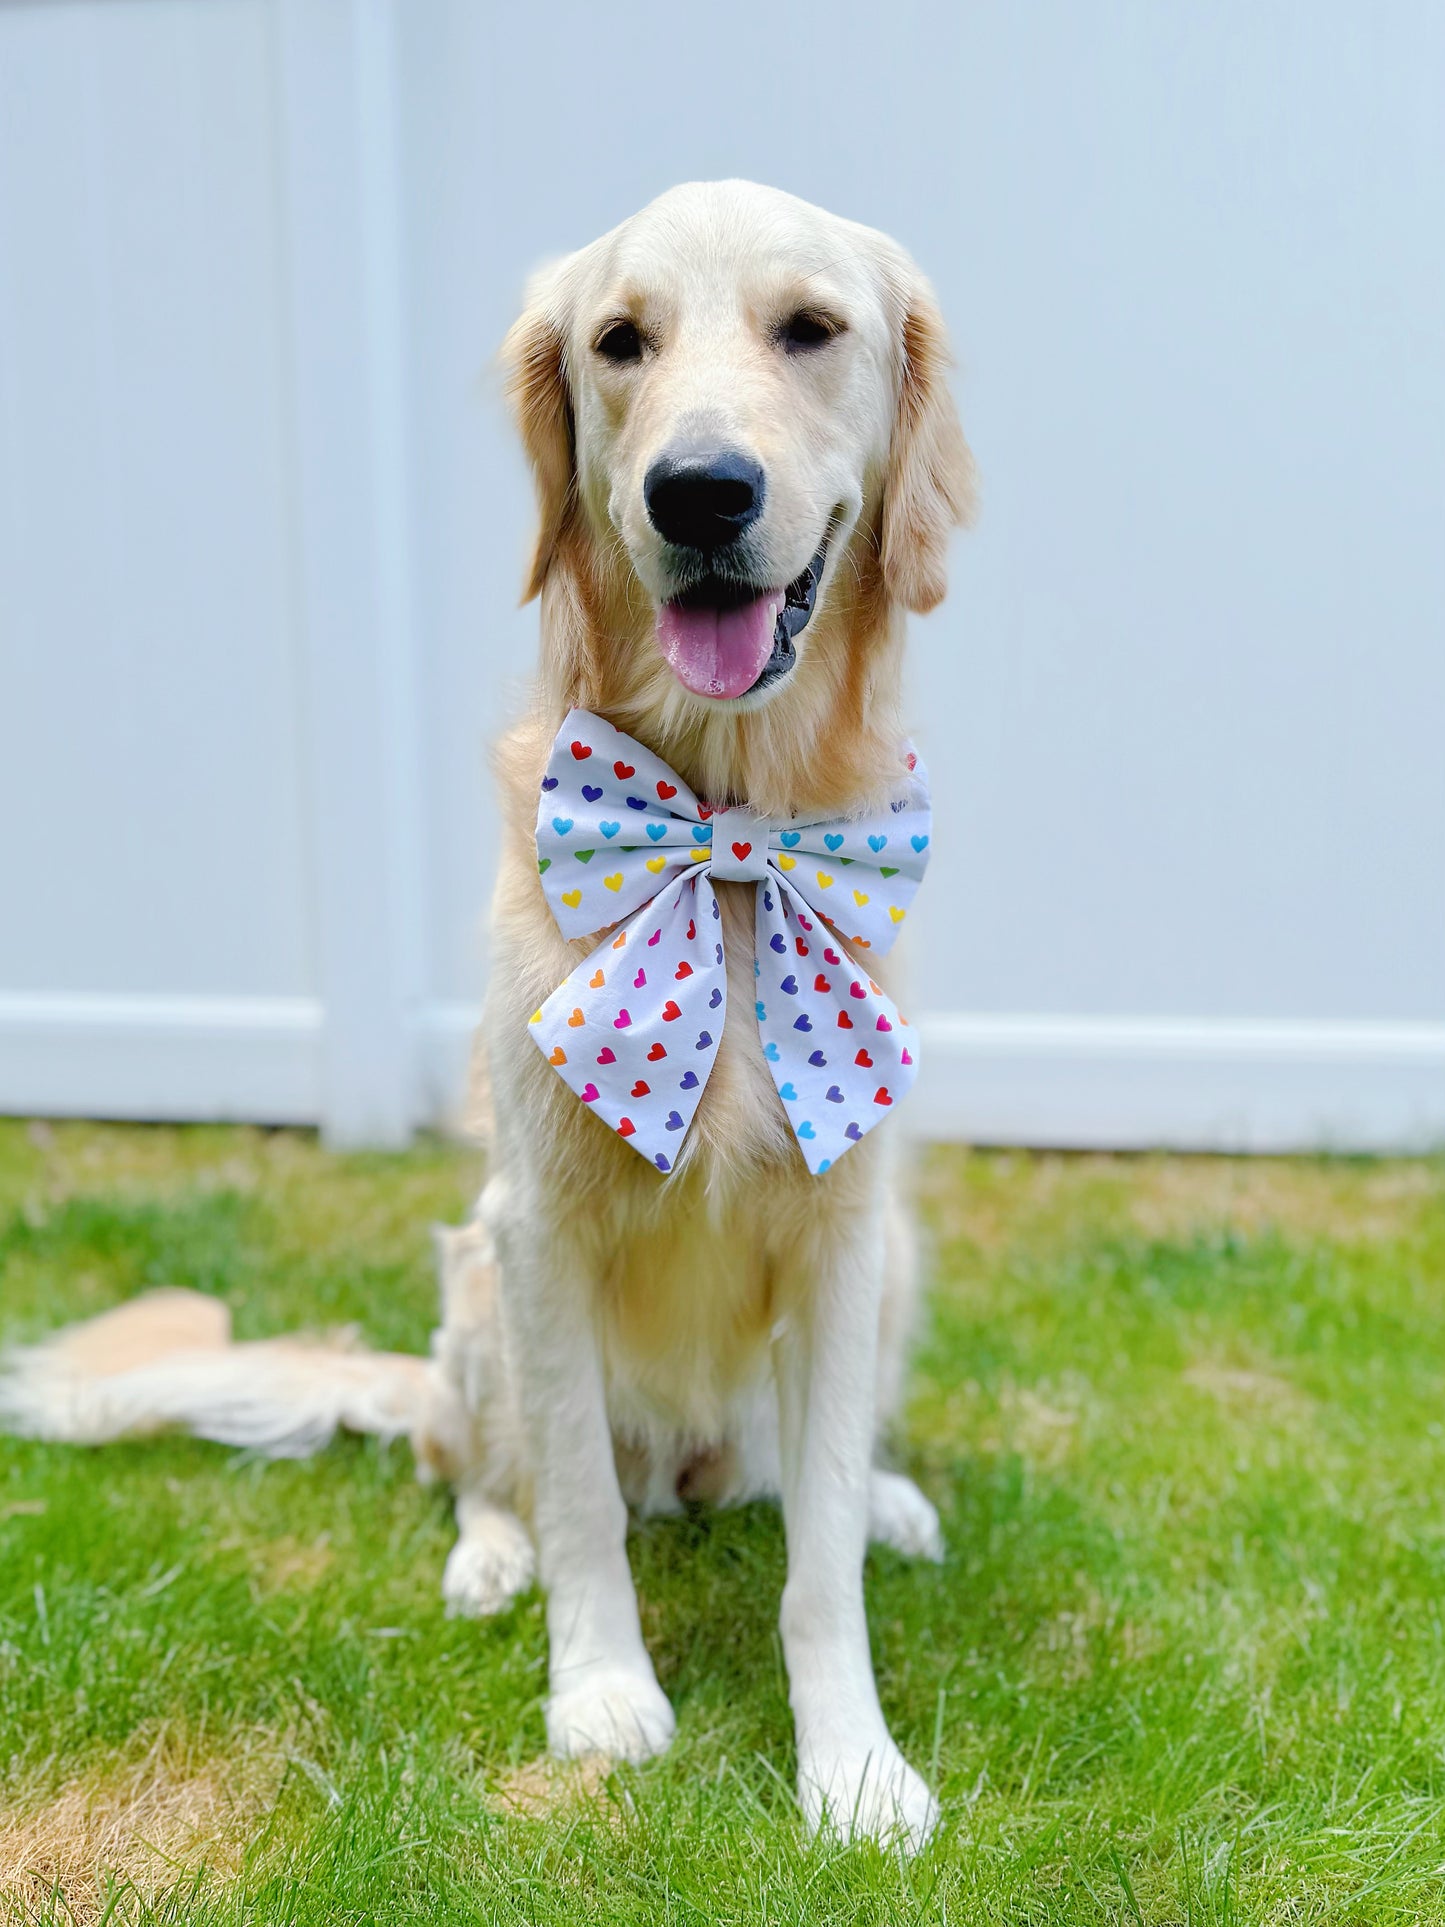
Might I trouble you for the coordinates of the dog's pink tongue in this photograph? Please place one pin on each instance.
(716, 652)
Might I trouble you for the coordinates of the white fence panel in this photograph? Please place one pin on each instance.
(261, 526)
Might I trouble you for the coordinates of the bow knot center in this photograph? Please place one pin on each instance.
(739, 846)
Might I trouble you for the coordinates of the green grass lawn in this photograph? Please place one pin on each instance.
(1184, 1419)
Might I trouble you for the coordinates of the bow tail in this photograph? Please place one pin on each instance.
(634, 1030)
(839, 1051)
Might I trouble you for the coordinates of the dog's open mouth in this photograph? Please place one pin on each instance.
(726, 639)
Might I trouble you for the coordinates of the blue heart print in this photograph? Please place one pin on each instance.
(787, 1093)
(876, 843)
(791, 839)
(817, 1058)
(789, 985)
(714, 1000)
(702, 832)
(656, 830)
(549, 782)
(591, 791)
(834, 842)
(777, 942)
(689, 1081)
(920, 843)
(803, 1022)
(770, 1051)
(805, 1129)
(609, 830)
(674, 1118)
(704, 1038)
(561, 824)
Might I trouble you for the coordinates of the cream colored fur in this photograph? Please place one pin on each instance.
(740, 1322)
(609, 1337)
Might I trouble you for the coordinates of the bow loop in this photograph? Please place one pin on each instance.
(614, 826)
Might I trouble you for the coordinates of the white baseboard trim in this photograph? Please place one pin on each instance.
(1127, 1083)
(1186, 1084)
(254, 1059)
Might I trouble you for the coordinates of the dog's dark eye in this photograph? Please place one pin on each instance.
(621, 341)
(808, 329)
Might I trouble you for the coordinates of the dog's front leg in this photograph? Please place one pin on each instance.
(603, 1693)
(852, 1779)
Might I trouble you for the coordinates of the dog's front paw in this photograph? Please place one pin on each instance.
(613, 1710)
(899, 1516)
(867, 1796)
(489, 1565)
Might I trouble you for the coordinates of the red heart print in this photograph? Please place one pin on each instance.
(625, 1127)
(880, 1096)
(581, 752)
(657, 1050)
(684, 969)
(856, 990)
(864, 1059)
(911, 760)
(831, 956)
(800, 946)
(704, 810)
(845, 1022)
(622, 771)
(820, 982)
(671, 1011)
(667, 791)
(741, 850)
(691, 929)
(640, 1089)
(589, 1093)
(607, 1055)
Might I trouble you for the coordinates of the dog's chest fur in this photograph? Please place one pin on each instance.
(691, 1273)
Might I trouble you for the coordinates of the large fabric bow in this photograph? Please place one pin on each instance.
(634, 1030)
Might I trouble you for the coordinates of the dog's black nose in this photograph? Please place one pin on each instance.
(703, 501)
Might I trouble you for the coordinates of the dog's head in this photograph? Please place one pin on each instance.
(733, 404)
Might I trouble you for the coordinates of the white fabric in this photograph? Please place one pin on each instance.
(622, 840)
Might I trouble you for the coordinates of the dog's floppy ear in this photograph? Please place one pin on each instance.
(928, 486)
(534, 356)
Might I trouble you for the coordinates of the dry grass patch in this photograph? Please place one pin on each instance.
(542, 1787)
(1239, 1387)
(996, 1199)
(148, 1824)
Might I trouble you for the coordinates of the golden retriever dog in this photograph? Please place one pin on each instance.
(748, 466)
